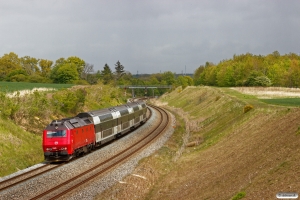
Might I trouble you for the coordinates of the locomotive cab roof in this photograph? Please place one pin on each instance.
(68, 123)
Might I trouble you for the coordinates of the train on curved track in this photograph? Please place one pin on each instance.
(71, 137)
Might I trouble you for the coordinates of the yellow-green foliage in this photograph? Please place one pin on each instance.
(34, 111)
(247, 108)
(18, 149)
(239, 195)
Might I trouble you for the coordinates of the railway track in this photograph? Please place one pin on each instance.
(73, 184)
(5, 184)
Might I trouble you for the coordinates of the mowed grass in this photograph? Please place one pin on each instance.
(283, 101)
(16, 86)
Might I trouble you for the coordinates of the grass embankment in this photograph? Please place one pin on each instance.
(18, 149)
(230, 153)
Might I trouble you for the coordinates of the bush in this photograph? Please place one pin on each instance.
(239, 195)
(217, 98)
(69, 101)
(8, 107)
(247, 108)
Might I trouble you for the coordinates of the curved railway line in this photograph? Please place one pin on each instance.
(73, 184)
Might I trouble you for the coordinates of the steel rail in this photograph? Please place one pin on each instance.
(6, 182)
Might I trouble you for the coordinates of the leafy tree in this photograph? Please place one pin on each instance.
(66, 73)
(35, 78)
(30, 65)
(18, 75)
(275, 73)
(210, 76)
(182, 81)
(276, 54)
(18, 78)
(60, 61)
(77, 62)
(262, 81)
(292, 75)
(257, 79)
(125, 79)
(189, 80)
(45, 66)
(59, 76)
(8, 63)
(70, 101)
(169, 77)
(197, 74)
(225, 77)
(153, 79)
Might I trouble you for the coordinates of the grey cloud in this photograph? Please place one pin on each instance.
(148, 36)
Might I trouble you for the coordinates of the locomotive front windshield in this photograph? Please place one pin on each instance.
(57, 133)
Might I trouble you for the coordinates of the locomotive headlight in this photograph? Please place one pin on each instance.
(48, 149)
(63, 148)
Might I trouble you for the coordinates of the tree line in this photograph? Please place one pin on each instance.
(76, 71)
(251, 70)
(241, 70)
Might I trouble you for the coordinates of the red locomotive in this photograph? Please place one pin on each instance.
(71, 137)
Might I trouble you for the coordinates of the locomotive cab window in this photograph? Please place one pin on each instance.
(59, 133)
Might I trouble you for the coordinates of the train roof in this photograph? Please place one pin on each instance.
(113, 112)
(69, 123)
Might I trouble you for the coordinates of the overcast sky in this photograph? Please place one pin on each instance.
(149, 36)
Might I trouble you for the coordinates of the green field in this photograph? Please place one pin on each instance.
(283, 102)
(15, 86)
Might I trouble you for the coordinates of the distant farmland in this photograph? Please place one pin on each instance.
(283, 102)
(17, 86)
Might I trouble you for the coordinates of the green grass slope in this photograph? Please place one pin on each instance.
(18, 149)
(229, 153)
